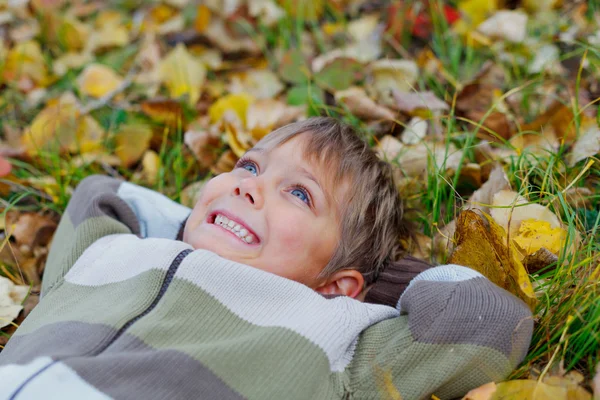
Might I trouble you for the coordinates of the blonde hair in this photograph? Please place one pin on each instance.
(371, 216)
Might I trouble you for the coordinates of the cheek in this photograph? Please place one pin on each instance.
(212, 190)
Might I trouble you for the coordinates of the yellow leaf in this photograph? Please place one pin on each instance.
(523, 389)
(54, 128)
(235, 140)
(25, 60)
(182, 74)
(132, 141)
(73, 34)
(150, 166)
(237, 103)
(202, 18)
(89, 135)
(97, 80)
(476, 11)
(534, 235)
(481, 245)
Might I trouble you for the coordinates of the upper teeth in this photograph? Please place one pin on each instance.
(234, 227)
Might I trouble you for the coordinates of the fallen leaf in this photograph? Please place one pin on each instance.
(238, 103)
(32, 229)
(204, 143)
(588, 145)
(539, 260)
(55, 127)
(225, 163)
(261, 84)
(293, 67)
(411, 102)
(132, 141)
(150, 166)
(534, 235)
(67, 61)
(182, 74)
(97, 80)
(509, 210)
(191, 193)
(484, 392)
(224, 39)
(26, 62)
(508, 25)
(387, 76)
(481, 244)
(361, 105)
(165, 111)
(11, 297)
(482, 198)
(339, 74)
(263, 116)
(558, 119)
(546, 58)
(415, 131)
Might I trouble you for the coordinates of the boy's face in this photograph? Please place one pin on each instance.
(270, 212)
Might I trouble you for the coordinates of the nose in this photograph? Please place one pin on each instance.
(250, 189)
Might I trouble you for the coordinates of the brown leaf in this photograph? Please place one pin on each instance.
(539, 260)
(361, 105)
(165, 111)
(559, 118)
(481, 245)
(482, 198)
(410, 102)
(32, 229)
(205, 144)
(225, 163)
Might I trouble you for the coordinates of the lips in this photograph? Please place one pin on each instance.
(234, 225)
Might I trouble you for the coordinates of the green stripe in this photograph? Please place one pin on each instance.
(112, 304)
(234, 349)
(69, 243)
(388, 350)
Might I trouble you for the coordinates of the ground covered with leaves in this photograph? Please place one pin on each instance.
(488, 109)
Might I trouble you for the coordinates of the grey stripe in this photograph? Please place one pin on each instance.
(130, 369)
(97, 196)
(474, 311)
(58, 340)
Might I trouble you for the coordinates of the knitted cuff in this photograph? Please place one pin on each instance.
(394, 280)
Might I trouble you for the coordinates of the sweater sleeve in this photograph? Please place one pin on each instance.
(95, 210)
(102, 206)
(456, 331)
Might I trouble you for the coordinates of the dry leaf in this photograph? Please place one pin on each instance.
(484, 392)
(150, 166)
(238, 103)
(224, 39)
(411, 102)
(539, 260)
(265, 115)
(54, 127)
(168, 112)
(205, 144)
(191, 193)
(387, 76)
(508, 25)
(32, 229)
(361, 105)
(482, 198)
(259, 83)
(132, 141)
(67, 61)
(97, 80)
(481, 245)
(535, 235)
(588, 145)
(559, 389)
(414, 160)
(509, 210)
(11, 297)
(415, 131)
(25, 63)
(182, 74)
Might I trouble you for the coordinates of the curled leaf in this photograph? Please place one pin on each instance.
(481, 244)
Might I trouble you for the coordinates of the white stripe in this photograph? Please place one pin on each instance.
(116, 258)
(159, 216)
(56, 382)
(443, 273)
(265, 299)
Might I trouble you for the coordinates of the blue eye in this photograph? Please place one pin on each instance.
(250, 168)
(301, 194)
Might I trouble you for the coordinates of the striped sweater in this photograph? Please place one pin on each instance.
(128, 312)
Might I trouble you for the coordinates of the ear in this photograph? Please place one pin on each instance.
(346, 282)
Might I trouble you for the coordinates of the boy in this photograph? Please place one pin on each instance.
(257, 300)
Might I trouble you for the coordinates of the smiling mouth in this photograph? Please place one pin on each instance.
(234, 227)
